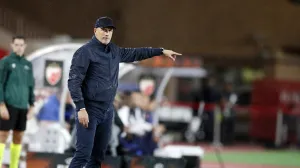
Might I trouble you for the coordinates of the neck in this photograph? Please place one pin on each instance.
(99, 45)
(14, 53)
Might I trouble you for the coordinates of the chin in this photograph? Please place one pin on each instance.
(105, 42)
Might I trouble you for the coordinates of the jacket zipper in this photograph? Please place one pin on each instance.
(110, 87)
(109, 67)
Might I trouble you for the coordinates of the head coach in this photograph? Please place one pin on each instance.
(93, 82)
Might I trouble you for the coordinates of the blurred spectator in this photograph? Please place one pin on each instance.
(132, 116)
(139, 139)
(117, 128)
(210, 97)
(228, 100)
(17, 98)
(147, 87)
(50, 110)
(117, 120)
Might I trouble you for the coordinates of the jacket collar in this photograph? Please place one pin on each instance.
(102, 46)
(14, 55)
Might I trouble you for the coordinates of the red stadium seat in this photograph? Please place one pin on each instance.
(3, 53)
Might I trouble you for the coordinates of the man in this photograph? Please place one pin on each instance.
(16, 95)
(228, 100)
(93, 82)
(210, 96)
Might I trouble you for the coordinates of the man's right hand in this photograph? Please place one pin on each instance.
(4, 112)
(83, 117)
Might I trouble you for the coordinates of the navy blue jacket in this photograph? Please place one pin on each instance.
(95, 68)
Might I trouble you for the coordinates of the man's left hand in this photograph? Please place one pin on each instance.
(30, 113)
(171, 54)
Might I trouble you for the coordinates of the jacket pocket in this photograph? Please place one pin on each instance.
(89, 89)
(105, 94)
(102, 94)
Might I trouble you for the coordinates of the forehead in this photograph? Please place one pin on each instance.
(18, 41)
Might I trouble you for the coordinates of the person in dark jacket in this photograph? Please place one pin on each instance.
(93, 82)
(228, 100)
(210, 96)
(16, 98)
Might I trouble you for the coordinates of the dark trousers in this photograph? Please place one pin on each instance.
(147, 144)
(228, 130)
(208, 125)
(92, 142)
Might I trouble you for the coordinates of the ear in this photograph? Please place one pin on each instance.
(95, 29)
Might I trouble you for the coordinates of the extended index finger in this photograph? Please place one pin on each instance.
(175, 53)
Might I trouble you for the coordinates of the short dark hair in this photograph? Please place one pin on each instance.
(18, 37)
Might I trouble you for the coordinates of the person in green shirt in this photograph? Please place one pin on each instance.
(16, 98)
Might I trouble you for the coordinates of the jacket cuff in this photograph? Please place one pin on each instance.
(79, 105)
(157, 51)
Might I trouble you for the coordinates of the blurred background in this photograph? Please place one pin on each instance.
(232, 100)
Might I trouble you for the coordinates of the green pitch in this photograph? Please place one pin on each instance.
(278, 158)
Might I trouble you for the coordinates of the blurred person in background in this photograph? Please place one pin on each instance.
(147, 87)
(51, 108)
(142, 136)
(210, 97)
(132, 118)
(228, 100)
(16, 98)
(93, 82)
(117, 128)
(117, 120)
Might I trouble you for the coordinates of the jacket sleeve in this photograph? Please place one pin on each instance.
(79, 67)
(31, 87)
(3, 78)
(138, 54)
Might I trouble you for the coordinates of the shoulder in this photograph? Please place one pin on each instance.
(82, 50)
(114, 46)
(27, 62)
(5, 59)
(116, 49)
